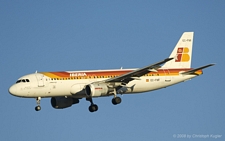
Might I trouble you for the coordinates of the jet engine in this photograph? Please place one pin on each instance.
(62, 102)
(97, 89)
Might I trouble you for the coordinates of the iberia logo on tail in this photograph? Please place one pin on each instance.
(182, 54)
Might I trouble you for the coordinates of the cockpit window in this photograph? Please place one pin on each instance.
(18, 81)
(22, 80)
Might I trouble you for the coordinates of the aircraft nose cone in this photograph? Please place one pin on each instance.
(13, 90)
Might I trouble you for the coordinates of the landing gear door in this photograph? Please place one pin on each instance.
(40, 80)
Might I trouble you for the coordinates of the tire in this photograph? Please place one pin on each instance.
(116, 100)
(93, 108)
(37, 108)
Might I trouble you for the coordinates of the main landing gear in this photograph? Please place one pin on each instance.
(38, 107)
(93, 107)
(116, 100)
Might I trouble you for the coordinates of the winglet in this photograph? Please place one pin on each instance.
(193, 71)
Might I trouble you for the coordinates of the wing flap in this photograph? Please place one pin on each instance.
(126, 78)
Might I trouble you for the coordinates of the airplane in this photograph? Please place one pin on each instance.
(66, 88)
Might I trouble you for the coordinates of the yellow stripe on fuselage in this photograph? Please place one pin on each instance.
(112, 73)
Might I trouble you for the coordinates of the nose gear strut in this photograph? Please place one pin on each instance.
(38, 107)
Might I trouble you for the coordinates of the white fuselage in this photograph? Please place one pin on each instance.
(40, 85)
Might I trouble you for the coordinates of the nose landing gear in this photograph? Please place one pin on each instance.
(38, 107)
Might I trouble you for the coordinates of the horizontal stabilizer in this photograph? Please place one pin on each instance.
(194, 70)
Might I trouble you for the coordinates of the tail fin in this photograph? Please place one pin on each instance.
(182, 53)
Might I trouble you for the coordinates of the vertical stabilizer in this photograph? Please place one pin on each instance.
(182, 53)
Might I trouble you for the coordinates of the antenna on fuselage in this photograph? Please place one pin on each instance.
(36, 71)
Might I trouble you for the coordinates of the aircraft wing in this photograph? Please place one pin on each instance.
(194, 70)
(134, 75)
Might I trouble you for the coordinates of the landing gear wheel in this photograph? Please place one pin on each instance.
(116, 100)
(93, 108)
(37, 108)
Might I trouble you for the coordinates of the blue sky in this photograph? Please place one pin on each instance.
(82, 35)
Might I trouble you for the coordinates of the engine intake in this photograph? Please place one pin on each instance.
(97, 89)
(62, 102)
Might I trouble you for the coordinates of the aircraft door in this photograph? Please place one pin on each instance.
(40, 79)
(167, 75)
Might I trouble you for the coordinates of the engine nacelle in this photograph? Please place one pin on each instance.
(97, 89)
(62, 102)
